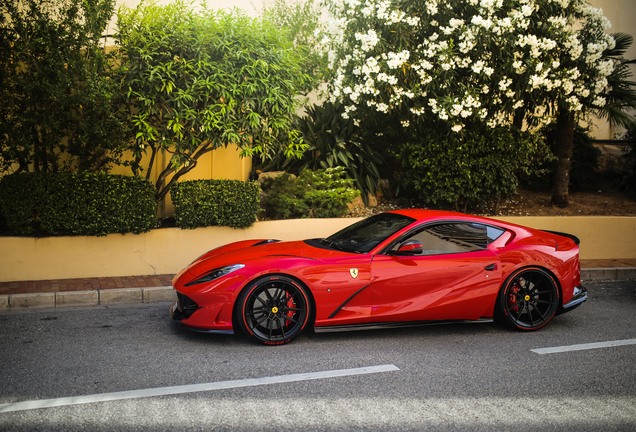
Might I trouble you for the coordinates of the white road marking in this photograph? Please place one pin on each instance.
(192, 388)
(587, 346)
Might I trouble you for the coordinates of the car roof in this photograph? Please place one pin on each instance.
(423, 214)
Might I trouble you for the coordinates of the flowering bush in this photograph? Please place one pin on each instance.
(466, 61)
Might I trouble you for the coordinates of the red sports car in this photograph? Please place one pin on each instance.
(395, 268)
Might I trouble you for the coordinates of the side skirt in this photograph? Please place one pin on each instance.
(377, 326)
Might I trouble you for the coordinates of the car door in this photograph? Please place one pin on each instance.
(441, 271)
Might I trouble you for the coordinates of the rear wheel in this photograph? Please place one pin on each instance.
(273, 310)
(529, 299)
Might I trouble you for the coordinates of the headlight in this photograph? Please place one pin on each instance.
(215, 274)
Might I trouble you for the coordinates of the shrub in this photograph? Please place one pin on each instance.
(320, 193)
(199, 203)
(465, 170)
(336, 141)
(59, 90)
(628, 181)
(44, 204)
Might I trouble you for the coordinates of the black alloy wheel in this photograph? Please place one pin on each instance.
(273, 310)
(529, 299)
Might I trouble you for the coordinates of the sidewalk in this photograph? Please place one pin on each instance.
(156, 288)
(59, 293)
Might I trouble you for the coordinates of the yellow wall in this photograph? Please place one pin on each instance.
(166, 251)
(223, 163)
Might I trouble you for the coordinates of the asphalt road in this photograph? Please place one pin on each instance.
(450, 377)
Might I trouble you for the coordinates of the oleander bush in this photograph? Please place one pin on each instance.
(200, 203)
(62, 203)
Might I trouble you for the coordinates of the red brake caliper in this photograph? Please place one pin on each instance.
(512, 298)
(290, 314)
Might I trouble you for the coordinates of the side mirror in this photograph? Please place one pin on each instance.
(411, 247)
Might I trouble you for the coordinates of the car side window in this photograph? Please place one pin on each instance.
(448, 238)
(493, 233)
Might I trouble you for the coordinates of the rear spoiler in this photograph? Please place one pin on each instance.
(574, 238)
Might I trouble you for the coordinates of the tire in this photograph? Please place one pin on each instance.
(273, 310)
(528, 300)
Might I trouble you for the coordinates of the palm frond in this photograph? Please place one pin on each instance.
(621, 99)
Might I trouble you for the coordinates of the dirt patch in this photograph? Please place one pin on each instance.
(526, 202)
(586, 203)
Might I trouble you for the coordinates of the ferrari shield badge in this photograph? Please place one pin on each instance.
(353, 272)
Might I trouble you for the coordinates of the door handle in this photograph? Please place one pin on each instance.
(491, 267)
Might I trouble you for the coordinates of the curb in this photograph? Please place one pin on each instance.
(104, 297)
(608, 274)
(120, 296)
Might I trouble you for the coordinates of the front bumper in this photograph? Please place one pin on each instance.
(578, 297)
(201, 319)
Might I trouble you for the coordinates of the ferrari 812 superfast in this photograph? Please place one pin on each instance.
(402, 267)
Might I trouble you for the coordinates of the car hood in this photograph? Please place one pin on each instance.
(248, 251)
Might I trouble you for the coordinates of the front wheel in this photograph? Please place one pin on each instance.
(273, 310)
(529, 299)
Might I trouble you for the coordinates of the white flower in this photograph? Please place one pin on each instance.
(382, 107)
(417, 111)
(389, 79)
(371, 66)
(504, 83)
(599, 101)
(405, 123)
(574, 103)
(481, 21)
(527, 10)
(584, 92)
(396, 60)
(477, 66)
(368, 40)
(457, 127)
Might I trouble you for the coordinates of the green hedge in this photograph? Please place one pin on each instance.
(199, 203)
(42, 204)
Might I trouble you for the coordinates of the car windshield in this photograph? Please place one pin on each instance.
(363, 236)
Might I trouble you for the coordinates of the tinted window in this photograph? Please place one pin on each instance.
(493, 233)
(368, 233)
(449, 238)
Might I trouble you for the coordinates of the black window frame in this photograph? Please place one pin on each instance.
(416, 230)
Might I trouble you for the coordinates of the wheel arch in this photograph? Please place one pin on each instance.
(529, 267)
